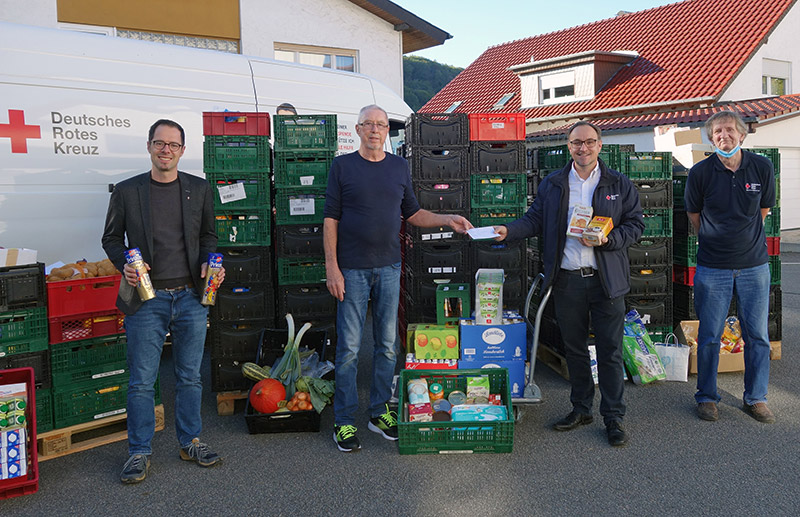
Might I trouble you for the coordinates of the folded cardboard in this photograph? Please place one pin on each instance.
(516, 371)
(17, 256)
(501, 342)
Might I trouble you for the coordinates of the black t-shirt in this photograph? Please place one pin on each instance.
(170, 266)
(731, 234)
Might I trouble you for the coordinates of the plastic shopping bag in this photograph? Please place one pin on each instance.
(638, 352)
(675, 358)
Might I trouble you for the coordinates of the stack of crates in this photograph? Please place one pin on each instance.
(23, 331)
(305, 146)
(237, 165)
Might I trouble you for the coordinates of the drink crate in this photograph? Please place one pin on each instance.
(439, 233)
(683, 303)
(22, 286)
(22, 325)
(437, 130)
(646, 282)
(294, 132)
(444, 164)
(685, 253)
(299, 240)
(301, 270)
(496, 126)
(299, 206)
(244, 302)
(503, 255)
(442, 196)
(247, 265)
(256, 190)
(647, 165)
(236, 339)
(443, 437)
(71, 297)
(775, 270)
(85, 326)
(236, 153)
(651, 252)
(771, 153)
(496, 157)
(495, 216)
(683, 274)
(39, 361)
(307, 168)
(438, 258)
(679, 188)
(226, 373)
(306, 302)
(657, 222)
(44, 411)
(234, 123)
(89, 359)
(655, 310)
(236, 228)
(683, 227)
(654, 193)
(772, 223)
(498, 190)
(29, 483)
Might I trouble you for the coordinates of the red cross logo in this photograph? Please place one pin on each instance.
(18, 131)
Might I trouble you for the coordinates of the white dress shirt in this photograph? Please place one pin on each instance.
(576, 255)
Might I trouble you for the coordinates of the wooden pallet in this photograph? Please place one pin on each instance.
(80, 437)
(552, 359)
(226, 401)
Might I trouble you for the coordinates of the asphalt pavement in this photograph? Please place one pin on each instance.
(675, 464)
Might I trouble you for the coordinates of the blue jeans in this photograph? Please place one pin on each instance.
(382, 285)
(180, 313)
(713, 289)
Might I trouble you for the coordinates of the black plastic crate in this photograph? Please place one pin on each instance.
(651, 252)
(244, 302)
(437, 130)
(682, 227)
(436, 234)
(238, 339)
(247, 265)
(679, 179)
(39, 361)
(291, 422)
(533, 186)
(654, 193)
(442, 164)
(416, 312)
(515, 289)
(775, 300)
(421, 288)
(22, 286)
(327, 324)
(775, 327)
(655, 310)
(271, 343)
(648, 282)
(226, 373)
(502, 255)
(299, 240)
(442, 196)
(306, 302)
(494, 157)
(438, 258)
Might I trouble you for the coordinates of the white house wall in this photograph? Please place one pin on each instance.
(41, 13)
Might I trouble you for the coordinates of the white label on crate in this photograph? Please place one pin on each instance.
(230, 193)
(107, 374)
(109, 413)
(306, 180)
(448, 270)
(494, 336)
(435, 270)
(2, 354)
(302, 206)
(498, 125)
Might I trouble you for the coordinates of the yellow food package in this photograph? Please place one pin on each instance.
(579, 220)
(598, 228)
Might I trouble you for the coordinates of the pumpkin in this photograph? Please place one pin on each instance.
(266, 394)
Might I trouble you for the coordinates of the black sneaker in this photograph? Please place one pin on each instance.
(385, 424)
(135, 469)
(200, 453)
(345, 438)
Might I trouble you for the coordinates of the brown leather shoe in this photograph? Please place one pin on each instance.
(708, 411)
(760, 412)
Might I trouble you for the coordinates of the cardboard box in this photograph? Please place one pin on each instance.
(17, 256)
(727, 362)
(436, 342)
(774, 350)
(497, 342)
(516, 371)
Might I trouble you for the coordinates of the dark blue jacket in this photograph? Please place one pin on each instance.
(615, 197)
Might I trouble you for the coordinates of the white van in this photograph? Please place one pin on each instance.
(75, 110)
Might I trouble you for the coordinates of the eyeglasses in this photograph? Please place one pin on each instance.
(577, 144)
(379, 125)
(173, 146)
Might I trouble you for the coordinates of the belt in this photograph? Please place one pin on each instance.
(585, 272)
(176, 289)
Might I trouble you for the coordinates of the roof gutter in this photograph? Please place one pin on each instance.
(595, 113)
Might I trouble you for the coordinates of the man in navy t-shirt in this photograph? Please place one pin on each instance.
(369, 194)
(728, 195)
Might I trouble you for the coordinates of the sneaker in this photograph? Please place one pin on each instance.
(385, 424)
(345, 438)
(708, 411)
(135, 469)
(200, 453)
(760, 412)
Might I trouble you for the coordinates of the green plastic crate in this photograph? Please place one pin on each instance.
(611, 156)
(552, 158)
(772, 223)
(678, 188)
(23, 325)
(303, 270)
(305, 132)
(771, 153)
(88, 359)
(498, 190)
(495, 216)
(302, 168)
(44, 411)
(92, 400)
(236, 153)
(23, 346)
(684, 251)
(657, 222)
(299, 206)
(659, 334)
(775, 270)
(444, 437)
(256, 190)
(647, 165)
(250, 228)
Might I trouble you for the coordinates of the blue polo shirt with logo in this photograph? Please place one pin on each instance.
(731, 234)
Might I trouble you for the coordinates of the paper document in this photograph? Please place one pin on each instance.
(484, 232)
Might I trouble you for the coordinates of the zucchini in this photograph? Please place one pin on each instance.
(254, 372)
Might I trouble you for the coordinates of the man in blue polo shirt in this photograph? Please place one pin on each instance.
(728, 195)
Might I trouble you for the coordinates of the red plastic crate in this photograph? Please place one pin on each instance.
(496, 126)
(235, 123)
(71, 297)
(773, 245)
(683, 274)
(30, 483)
(85, 326)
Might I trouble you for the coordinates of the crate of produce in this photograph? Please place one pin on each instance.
(496, 157)
(299, 206)
(775, 270)
(683, 274)
(679, 187)
(88, 359)
(772, 154)
(437, 130)
(502, 255)
(71, 297)
(306, 302)
(647, 165)
(233, 192)
(298, 240)
(306, 132)
(271, 343)
(685, 253)
(646, 282)
(235, 123)
(22, 286)
(439, 164)
(442, 196)
(657, 222)
(39, 361)
(496, 126)
(301, 270)
(291, 422)
(498, 190)
(44, 410)
(236, 153)
(651, 252)
(772, 223)
(495, 216)
(438, 258)
(85, 326)
(655, 310)
(654, 193)
(247, 265)
(236, 228)
(29, 483)
(444, 437)
(306, 168)
(244, 302)
(22, 325)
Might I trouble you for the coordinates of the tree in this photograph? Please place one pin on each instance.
(424, 78)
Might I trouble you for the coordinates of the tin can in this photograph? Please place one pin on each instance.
(456, 397)
(145, 287)
(212, 279)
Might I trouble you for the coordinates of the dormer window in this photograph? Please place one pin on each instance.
(558, 87)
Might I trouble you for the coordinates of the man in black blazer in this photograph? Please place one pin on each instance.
(169, 216)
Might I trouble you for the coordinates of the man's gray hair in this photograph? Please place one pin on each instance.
(371, 107)
(741, 127)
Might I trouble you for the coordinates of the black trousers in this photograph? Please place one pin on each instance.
(576, 298)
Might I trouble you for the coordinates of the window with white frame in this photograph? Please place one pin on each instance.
(557, 87)
(776, 77)
(326, 57)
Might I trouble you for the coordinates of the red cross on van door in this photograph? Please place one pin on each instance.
(18, 131)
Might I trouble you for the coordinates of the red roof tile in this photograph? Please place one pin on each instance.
(688, 53)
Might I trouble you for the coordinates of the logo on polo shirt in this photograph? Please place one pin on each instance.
(752, 187)
(612, 197)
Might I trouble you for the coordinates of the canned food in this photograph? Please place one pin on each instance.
(212, 279)
(144, 287)
(457, 397)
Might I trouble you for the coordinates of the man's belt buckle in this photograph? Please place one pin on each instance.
(586, 272)
(174, 289)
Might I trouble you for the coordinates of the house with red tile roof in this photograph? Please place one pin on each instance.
(674, 64)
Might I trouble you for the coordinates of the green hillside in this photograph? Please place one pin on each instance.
(423, 78)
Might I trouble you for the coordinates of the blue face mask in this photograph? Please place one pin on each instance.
(728, 154)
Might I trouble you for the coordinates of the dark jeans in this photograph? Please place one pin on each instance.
(575, 299)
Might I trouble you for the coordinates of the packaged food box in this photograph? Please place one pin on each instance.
(579, 219)
(489, 296)
(436, 342)
(598, 228)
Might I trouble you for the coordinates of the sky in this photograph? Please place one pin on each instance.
(478, 24)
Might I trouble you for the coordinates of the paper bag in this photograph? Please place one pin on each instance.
(675, 358)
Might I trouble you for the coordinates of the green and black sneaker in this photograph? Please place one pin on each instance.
(385, 424)
(345, 438)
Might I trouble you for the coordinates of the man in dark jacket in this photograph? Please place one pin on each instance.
(589, 280)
